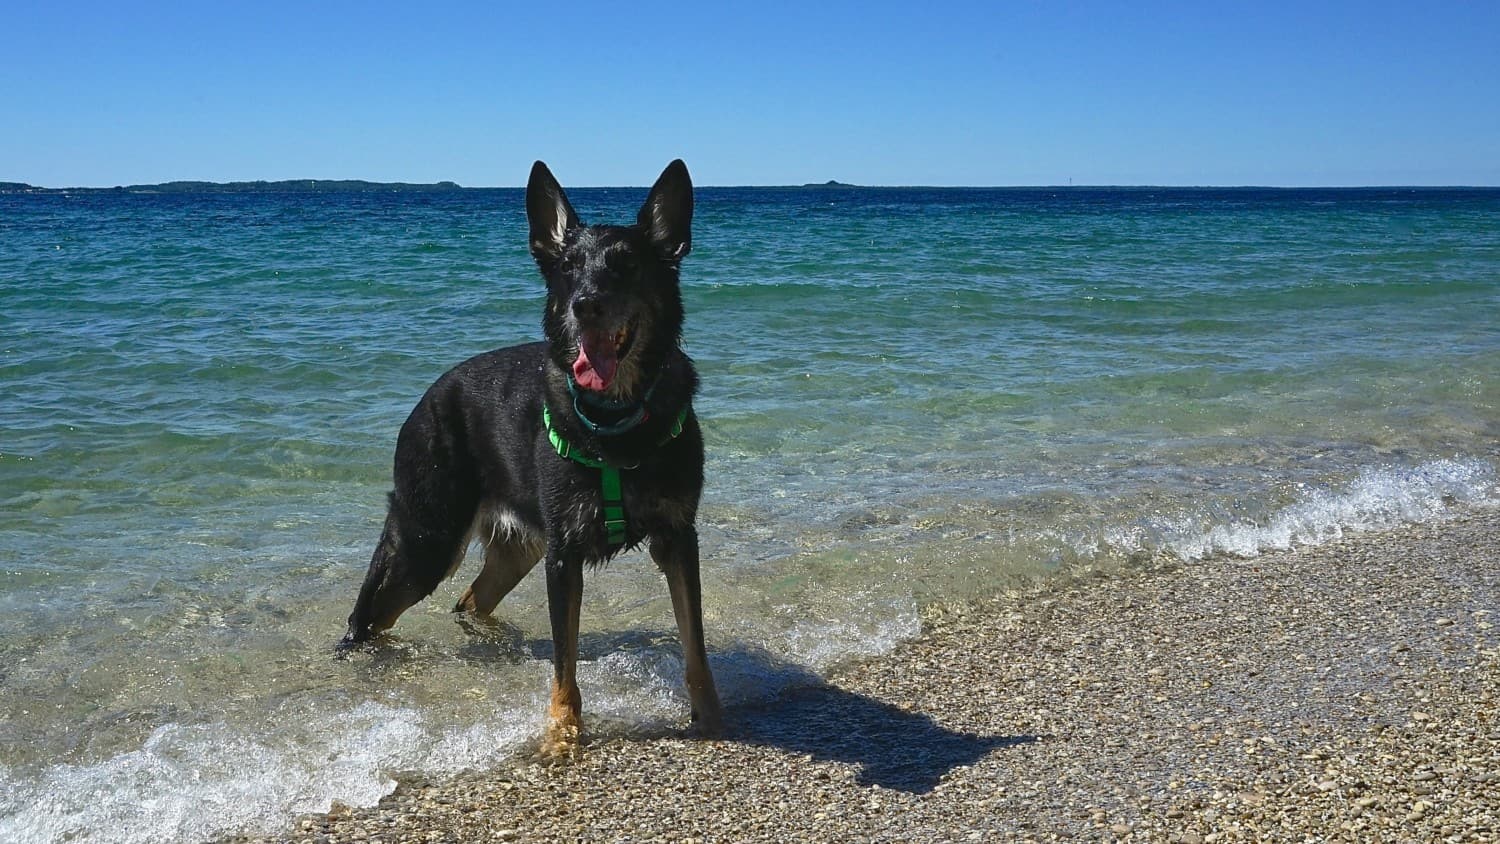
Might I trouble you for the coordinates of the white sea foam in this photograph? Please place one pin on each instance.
(196, 783)
(1376, 499)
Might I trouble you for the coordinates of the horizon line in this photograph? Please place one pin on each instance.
(448, 184)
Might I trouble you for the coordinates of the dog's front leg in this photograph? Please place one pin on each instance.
(564, 598)
(677, 556)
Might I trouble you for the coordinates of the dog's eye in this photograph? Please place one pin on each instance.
(565, 264)
(623, 264)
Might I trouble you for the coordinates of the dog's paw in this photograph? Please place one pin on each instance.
(707, 724)
(348, 645)
(561, 742)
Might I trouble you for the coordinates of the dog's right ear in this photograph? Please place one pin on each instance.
(549, 212)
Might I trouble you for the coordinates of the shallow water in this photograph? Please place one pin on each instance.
(908, 396)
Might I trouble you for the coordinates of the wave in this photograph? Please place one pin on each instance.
(1376, 499)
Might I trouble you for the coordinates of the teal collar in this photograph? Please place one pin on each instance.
(609, 475)
(626, 424)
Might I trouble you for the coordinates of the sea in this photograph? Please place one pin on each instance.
(909, 396)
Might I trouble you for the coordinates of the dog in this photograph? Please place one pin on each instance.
(568, 450)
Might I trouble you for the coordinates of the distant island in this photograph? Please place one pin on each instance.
(287, 186)
(831, 183)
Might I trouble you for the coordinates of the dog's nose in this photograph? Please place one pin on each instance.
(588, 308)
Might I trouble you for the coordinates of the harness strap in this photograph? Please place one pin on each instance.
(610, 486)
(614, 506)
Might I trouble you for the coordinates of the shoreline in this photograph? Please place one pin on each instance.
(1347, 691)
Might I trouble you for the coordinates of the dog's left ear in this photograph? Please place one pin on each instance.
(667, 216)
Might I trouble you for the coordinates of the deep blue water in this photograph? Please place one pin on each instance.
(909, 395)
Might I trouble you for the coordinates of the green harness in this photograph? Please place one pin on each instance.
(609, 476)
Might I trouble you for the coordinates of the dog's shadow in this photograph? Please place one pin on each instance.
(892, 747)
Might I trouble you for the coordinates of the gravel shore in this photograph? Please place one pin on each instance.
(1344, 693)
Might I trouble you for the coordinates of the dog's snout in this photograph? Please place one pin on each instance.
(588, 308)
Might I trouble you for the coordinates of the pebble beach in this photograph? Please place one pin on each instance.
(1340, 692)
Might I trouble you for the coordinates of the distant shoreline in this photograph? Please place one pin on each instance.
(286, 186)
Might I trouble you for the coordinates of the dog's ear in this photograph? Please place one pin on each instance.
(549, 212)
(667, 216)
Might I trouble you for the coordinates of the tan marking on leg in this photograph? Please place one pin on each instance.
(564, 728)
(505, 564)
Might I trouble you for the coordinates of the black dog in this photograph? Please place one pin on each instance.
(572, 449)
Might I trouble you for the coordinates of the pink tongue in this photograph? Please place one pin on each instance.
(595, 367)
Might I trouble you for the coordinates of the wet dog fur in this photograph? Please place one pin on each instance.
(474, 460)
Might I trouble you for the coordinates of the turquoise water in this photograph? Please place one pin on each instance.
(908, 396)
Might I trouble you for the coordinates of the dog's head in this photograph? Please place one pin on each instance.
(614, 309)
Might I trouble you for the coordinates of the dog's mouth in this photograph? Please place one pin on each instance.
(599, 354)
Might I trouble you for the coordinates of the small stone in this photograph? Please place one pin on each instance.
(1444, 622)
(1327, 785)
(1424, 776)
(1120, 829)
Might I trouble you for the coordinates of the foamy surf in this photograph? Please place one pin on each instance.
(1375, 499)
(197, 783)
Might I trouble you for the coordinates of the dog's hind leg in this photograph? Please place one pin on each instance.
(407, 565)
(506, 562)
(677, 556)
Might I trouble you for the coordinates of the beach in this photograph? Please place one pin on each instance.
(1345, 691)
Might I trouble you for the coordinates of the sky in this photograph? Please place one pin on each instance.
(920, 92)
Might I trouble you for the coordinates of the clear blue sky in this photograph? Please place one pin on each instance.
(914, 92)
